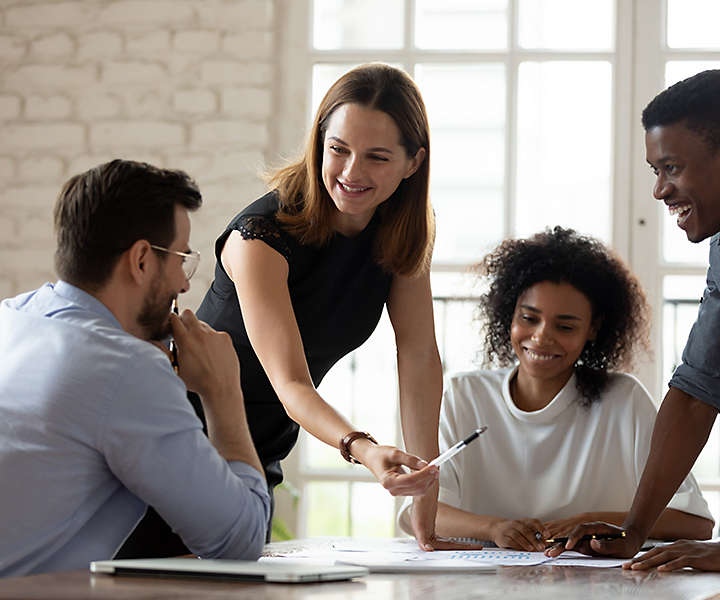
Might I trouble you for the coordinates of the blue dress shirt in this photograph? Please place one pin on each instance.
(94, 426)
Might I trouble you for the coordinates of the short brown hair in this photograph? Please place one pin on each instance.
(101, 213)
(407, 228)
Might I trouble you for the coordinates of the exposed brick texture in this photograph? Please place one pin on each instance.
(179, 83)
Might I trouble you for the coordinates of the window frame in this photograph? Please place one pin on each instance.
(637, 63)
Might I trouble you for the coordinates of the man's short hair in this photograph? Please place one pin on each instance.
(101, 213)
(694, 101)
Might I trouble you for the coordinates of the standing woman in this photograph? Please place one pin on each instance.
(304, 272)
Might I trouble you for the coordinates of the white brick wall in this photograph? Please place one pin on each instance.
(179, 83)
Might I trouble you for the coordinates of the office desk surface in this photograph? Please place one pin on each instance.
(539, 583)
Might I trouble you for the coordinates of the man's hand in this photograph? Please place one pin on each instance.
(683, 553)
(624, 547)
(562, 527)
(207, 362)
(519, 534)
(208, 365)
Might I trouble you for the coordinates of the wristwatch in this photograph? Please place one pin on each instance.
(349, 439)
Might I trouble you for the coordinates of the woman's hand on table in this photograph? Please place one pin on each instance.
(422, 520)
(519, 534)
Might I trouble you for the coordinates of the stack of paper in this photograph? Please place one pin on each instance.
(403, 555)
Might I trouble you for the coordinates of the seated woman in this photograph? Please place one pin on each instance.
(567, 436)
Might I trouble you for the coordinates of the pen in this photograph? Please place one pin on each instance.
(453, 450)
(591, 536)
(173, 347)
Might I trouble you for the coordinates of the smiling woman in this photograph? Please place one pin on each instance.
(303, 275)
(561, 312)
(364, 162)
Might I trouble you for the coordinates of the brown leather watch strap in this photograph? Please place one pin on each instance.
(349, 439)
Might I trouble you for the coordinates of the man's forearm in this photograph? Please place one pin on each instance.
(228, 430)
(682, 427)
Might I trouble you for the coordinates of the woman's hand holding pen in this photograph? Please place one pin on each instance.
(386, 464)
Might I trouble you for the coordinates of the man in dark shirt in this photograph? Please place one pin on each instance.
(682, 140)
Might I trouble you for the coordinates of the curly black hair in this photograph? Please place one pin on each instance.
(564, 256)
(693, 101)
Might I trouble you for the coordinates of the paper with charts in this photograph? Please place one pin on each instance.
(402, 551)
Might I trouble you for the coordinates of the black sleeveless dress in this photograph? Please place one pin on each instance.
(337, 292)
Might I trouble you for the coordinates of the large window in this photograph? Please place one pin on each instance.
(534, 112)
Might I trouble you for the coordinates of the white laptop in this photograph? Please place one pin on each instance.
(270, 572)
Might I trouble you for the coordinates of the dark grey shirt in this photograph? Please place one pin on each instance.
(699, 373)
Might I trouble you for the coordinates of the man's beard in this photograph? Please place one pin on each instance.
(154, 317)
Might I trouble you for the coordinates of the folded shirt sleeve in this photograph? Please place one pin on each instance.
(153, 443)
(699, 372)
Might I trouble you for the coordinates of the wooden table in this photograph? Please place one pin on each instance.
(538, 582)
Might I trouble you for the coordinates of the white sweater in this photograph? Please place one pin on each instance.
(553, 463)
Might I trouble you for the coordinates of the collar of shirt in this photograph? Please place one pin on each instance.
(87, 301)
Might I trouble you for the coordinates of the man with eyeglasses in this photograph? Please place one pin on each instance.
(94, 423)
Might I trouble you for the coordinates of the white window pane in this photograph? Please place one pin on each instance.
(684, 287)
(693, 24)
(361, 386)
(469, 223)
(676, 247)
(337, 388)
(358, 24)
(681, 298)
(677, 70)
(324, 75)
(461, 24)
(467, 160)
(458, 334)
(456, 283)
(374, 393)
(326, 505)
(372, 511)
(566, 24)
(564, 151)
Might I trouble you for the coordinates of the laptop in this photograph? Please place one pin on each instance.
(241, 570)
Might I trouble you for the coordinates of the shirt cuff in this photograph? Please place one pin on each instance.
(253, 478)
(697, 384)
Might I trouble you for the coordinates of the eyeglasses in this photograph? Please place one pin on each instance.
(190, 259)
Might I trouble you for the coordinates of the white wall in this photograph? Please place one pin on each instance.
(186, 84)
